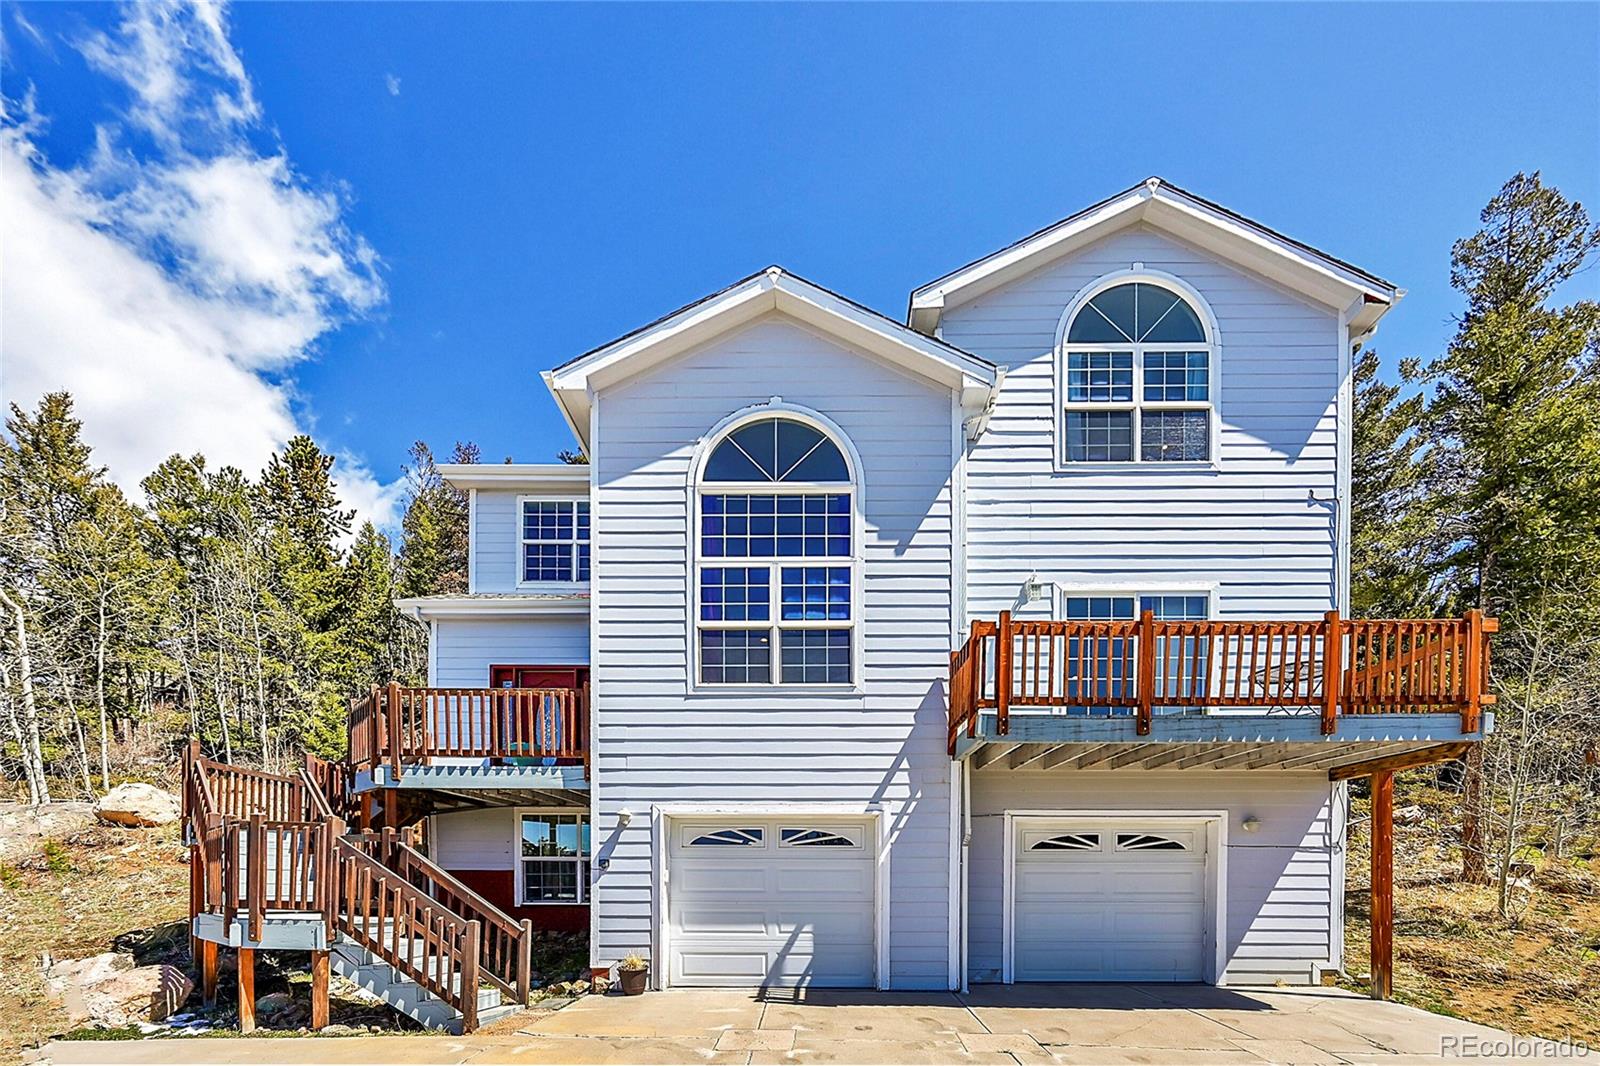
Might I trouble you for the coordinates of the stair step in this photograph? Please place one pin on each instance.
(371, 972)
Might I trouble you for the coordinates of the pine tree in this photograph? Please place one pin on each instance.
(433, 544)
(1391, 530)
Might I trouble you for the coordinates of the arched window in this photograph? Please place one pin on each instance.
(775, 574)
(1137, 379)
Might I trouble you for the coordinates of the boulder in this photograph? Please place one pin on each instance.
(143, 994)
(274, 1003)
(137, 804)
(341, 1030)
(580, 988)
(601, 986)
(1410, 814)
(24, 829)
(70, 980)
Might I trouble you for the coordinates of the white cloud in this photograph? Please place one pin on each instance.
(172, 292)
(392, 83)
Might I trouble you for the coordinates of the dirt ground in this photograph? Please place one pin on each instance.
(1538, 973)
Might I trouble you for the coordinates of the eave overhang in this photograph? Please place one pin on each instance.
(1319, 277)
(773, 290)
(544, 478)
(507, 605)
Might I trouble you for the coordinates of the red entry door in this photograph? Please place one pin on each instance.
(536, 676)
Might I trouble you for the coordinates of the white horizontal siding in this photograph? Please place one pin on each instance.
(483, 839)
(1283, 880)
(497, 541)
(659, 744)
(1248, 526)
(464, 649)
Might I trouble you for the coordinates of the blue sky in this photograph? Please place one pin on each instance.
(514, 184)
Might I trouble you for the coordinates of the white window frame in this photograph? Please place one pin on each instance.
(775, 564)
(582, 859)
(523, 542)
(1212, 346)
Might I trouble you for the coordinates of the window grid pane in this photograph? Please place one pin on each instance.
(816, 594)
(735, 594)
(761, 527)
(547, 562)
(735, 656)
(816, 656)
(1099, 377)
(1175, 436)
(1176, 377)
(1100, 436)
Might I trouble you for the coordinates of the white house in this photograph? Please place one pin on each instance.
(732, 694)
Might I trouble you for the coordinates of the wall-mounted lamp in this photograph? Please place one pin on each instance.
(624, 817)
(1250, 824)
(1033, 589)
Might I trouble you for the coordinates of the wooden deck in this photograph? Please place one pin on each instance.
(274, 866)
(394, 730)
(1397, 681)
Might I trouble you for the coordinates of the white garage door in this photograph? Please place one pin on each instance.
(754, 901)
(1103, 901)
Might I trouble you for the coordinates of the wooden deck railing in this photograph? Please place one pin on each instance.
(1331, 666)
(265, 842)
(409, 726)
(414, 933)
(506, 944)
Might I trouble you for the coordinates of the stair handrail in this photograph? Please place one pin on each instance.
(506, 955)
(442, 934)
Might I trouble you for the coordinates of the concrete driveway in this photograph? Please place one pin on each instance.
(1101, 1024)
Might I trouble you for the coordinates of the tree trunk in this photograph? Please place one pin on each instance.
(1474, 857)
(100, 697)
(32, 748)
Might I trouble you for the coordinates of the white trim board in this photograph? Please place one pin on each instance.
(1155, 202)
(1216, 826)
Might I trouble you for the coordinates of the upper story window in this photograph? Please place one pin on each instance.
(555, 540)
(1137, 379)
(776, 576)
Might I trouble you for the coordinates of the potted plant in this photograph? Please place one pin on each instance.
(633, 973)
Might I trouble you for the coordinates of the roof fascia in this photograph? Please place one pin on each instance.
(426, 607)
(1314, 275)
(547, 477)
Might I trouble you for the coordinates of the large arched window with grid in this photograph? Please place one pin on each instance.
(1138, 367)
(775, 573)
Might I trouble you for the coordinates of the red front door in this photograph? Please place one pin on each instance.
(537, 676)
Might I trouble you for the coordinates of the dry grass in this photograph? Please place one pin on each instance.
(72, 900)
(1538, 974)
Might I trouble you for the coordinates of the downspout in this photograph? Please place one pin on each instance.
(966, 865)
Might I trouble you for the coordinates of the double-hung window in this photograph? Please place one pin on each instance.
(555, 540)
(555, 857)
(1137, 379)
(776, 575)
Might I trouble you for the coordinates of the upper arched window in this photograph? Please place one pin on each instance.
(775, 573)
(1137, 378)
(779, 450)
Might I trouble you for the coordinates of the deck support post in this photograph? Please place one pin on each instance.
(208, 973)
(247, 990)
(319, 989)
(391, 808)
(1145, 682)
(1004, 652)
(1382, 983)
(1332, 671)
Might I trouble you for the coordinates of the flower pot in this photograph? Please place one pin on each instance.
(633, 981)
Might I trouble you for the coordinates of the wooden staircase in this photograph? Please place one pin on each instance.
(272, 865)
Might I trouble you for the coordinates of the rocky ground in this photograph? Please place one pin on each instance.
(93, 929)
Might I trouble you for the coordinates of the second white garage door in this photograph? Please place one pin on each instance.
(762, 901)
(1109, 901)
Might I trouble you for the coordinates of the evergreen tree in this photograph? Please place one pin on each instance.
(1391, 527)
(433, 544)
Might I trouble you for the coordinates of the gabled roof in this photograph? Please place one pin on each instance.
(1316, 275)
(771, 290)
